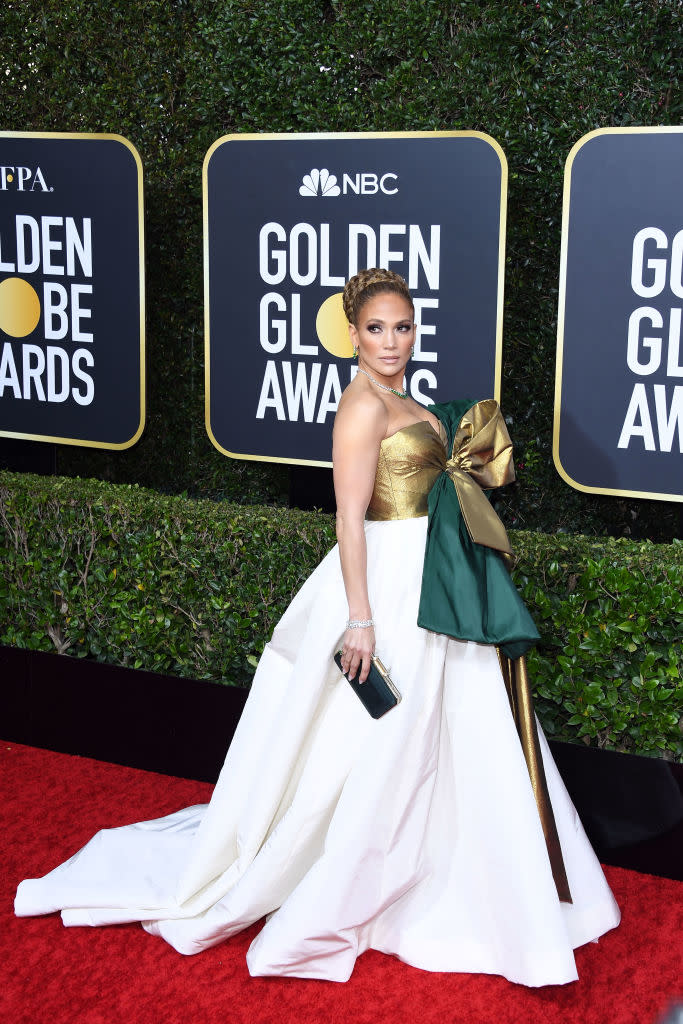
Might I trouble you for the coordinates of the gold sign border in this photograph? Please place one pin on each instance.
(566, 204)
(100, 136)
(305, 136)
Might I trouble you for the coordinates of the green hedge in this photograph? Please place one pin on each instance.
(175, 76)
(609, 666)
(189, 587)
(133, 578)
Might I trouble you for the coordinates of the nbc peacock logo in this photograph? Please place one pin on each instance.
(319, 183)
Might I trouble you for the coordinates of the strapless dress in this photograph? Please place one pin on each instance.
(416, 834)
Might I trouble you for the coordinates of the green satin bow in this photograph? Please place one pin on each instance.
(466, 590)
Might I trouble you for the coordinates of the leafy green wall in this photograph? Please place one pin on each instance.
(174, 75)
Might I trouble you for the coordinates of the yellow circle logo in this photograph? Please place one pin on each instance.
(19, 307)
(332, 327)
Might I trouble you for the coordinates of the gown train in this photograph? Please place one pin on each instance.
(417, 834)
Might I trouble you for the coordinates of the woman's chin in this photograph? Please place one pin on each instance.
(394, 368)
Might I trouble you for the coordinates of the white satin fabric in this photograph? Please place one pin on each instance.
(416, 834)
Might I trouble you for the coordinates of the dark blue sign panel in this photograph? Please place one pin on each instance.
(288, 219)
(71, 289)
(619, 384)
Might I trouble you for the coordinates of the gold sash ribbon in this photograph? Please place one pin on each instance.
(481, 459)
(516, 678)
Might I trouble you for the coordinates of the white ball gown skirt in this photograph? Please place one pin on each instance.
(417, 834)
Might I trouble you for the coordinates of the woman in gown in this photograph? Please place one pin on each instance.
(440, 833)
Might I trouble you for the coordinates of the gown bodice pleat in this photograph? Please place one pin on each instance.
(409, 462)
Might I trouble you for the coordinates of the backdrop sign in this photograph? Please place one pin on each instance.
(619, 382)
(288, 218)
(71, 289)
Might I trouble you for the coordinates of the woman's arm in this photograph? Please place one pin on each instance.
(359, 428)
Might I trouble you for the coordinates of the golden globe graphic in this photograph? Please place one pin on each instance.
(280, 247)
(19, 307)
(332, 327)
(71, 289)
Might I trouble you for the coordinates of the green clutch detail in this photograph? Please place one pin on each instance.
(378, 693)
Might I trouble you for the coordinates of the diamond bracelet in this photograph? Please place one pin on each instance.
(359, 623)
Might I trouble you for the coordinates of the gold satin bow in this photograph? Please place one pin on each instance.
(482, 459)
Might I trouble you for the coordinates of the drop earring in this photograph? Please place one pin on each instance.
(355, 352)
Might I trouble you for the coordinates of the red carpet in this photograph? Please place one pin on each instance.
(52, 803)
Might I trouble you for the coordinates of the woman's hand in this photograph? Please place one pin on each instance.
(357, 649)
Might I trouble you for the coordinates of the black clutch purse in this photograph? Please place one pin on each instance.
(377, 694)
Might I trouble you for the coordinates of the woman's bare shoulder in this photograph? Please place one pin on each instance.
(361, 412)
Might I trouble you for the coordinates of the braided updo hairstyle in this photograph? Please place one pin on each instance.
(366, 284)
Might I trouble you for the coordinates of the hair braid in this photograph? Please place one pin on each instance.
(366, 284)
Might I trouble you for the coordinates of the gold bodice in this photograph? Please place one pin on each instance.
(409, 462)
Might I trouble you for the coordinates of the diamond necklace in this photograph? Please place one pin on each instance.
(384, 387)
